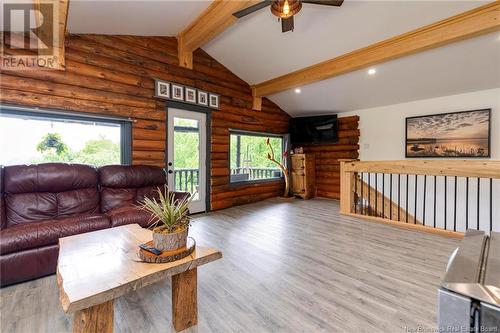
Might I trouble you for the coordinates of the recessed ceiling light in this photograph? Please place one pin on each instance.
(372, 71)
(297, 90)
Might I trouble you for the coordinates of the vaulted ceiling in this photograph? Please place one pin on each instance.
(256, 50)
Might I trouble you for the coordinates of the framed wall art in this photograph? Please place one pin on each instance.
(457, 134)
(162, 89)
(202, 98)
(213, 101)
(177, 92)
(190, 95)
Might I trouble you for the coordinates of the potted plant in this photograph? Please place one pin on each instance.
(169, 219)
(281, 165)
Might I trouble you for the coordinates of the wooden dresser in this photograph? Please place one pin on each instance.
(303, 176)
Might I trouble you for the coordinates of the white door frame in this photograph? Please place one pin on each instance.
(199, 205)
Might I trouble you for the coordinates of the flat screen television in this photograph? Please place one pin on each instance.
(314, 130)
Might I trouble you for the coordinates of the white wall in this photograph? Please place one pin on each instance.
(383, 138)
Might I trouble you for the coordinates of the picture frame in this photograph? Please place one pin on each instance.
(463, 134)
(202, 98)
(190, 95)
(213, 101)
(162, 89)
(177, 92)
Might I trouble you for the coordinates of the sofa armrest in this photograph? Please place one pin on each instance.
(180, 195)
(3, 219)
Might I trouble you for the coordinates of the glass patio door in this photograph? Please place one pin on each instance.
(186, 153)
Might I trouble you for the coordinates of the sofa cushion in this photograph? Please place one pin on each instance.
(112, 198)
(125, 186)
(135, 176)
(48, 177)
(29, 207)
(78, 202)
(129, 215)
(48, 191)
(36, 234)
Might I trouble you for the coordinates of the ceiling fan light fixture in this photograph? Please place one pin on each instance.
(285, 8)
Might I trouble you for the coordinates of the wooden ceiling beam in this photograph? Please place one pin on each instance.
(213, 21)
(472, 23)
(57, 27)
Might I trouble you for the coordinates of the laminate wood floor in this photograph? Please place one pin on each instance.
(288, 267)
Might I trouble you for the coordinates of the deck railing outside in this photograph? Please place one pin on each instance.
(257, 173)
(446, 197)
(186, 180)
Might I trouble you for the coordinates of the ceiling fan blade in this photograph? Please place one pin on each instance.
(287, 24)
(337, 3)
(251, 9)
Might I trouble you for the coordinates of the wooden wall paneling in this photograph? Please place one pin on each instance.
(328, 156)
(114, 75)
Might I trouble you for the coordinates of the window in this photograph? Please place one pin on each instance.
(29, 137)
(249, 160)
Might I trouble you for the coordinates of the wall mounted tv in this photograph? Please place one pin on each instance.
(314, 130)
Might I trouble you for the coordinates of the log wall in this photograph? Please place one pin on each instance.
(328, 156)
(114, 75)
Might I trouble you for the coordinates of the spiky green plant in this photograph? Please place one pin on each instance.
(168, 214)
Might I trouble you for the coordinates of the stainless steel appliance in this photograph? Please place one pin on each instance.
(469, 295)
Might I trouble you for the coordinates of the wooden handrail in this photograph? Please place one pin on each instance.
(459, 168)
(351, 198)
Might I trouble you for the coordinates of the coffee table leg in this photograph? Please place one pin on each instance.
(96, 319)
(184, 299)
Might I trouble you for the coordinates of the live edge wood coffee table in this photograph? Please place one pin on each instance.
(97, 267)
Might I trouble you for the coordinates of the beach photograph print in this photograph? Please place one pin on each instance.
(458, 134)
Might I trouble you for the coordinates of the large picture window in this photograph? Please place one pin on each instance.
(30, 138)
(249, 160)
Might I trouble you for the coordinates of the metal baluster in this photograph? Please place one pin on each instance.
(491, 204)
(355, 176)
(390, 194)
(415, 208)
(369, 191)
(435, 185)
(478, 191)
(399, 197)
(455, 207)
(467, 203)
(376, 193)
(383, 195)
(362, 198)
(186, 180)
(407, 181)
(425, 192)
(445, 200)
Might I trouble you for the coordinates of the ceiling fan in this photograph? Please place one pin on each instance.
(285, 9)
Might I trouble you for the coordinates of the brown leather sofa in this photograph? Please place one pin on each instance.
(42, 203)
